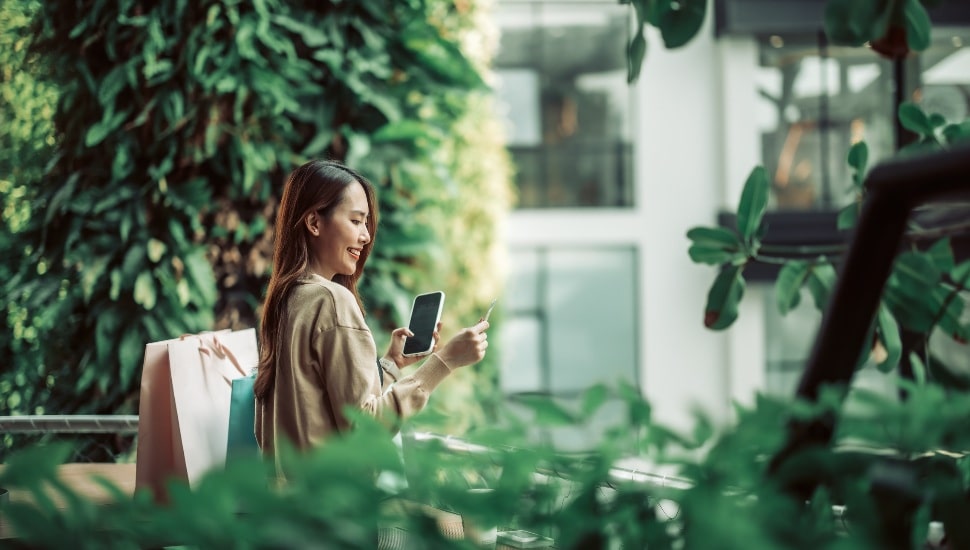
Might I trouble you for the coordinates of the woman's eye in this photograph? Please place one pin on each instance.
(356, 222)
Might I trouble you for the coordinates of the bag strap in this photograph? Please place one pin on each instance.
(210, 345)
(222, 352)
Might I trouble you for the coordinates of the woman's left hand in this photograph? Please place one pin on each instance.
(395, 352)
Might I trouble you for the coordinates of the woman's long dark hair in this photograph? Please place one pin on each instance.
(317, 186)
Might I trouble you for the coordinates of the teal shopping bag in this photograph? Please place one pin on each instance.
(241, 442)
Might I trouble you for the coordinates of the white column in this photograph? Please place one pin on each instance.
(742, 111)
(680, 174)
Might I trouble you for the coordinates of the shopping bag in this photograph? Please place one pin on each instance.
(241, 441)
(184, 407)
(158, 452)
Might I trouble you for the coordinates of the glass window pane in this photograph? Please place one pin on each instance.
(816, 101)
(592, 318)
(521, 358)
(562, 90)
(945, 75)
(788, 345)
(521, 288)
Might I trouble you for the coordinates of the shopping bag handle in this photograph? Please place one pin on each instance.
(222, 352)
(215, 347)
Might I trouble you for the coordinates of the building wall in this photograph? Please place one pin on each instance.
(699, 126)
(685, 102)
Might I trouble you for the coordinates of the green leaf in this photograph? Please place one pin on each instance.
(112, 199)
(145, 293)
(858, 159)
(547, 412)
(913, 118)
(130, 354)
(115, 291)
(34, 465)
(64, 192)
(134, 262)
(639, 410)
(820, 281)
(714, 237)
(941, 255)
(680, 20)
(854, 22)
(708, 255)
(723, 298)
(961, 273)
(91, 275)
(104, 127)
(788, 286)
(889, 336)
(917, 25)
(156, 249)
(949, 319)
(911, 291)
(713, 245)
(105, 335)
(312, 35)
(401, 130)
(916, 273)
(937, 120)
(636, 50)
(858, 156)
(754, 202)
(593, 399)
(956, 133)
(111, 85)
(919, 368)
(201, 278)
(848, 217)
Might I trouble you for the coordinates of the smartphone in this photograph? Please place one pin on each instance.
(425, 314)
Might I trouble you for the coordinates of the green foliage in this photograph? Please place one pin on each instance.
(924, 292)
(896, 464)
(723, 298)
(858, 159)
(933, 129)
(754, 202)
(27, 102)
(714, 245)
(878, 470)
(678, 21)
(855, 22)
(174, 126)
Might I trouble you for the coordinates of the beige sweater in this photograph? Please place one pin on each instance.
(327, 360)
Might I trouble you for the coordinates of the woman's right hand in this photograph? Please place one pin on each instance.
(467, 347)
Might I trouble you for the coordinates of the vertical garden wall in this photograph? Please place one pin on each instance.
(148, 205)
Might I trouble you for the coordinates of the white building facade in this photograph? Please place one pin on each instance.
(611, 176)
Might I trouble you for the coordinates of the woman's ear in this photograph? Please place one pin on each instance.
(312, 221)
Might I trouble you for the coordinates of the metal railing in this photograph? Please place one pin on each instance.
(68, 423)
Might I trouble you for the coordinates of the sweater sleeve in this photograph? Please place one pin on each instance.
(350, 377)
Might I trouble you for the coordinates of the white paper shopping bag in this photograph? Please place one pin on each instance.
(185, 388)
(203, 369)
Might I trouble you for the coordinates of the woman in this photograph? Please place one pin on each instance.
(318, 356)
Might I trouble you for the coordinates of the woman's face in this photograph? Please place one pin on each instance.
(340, 238)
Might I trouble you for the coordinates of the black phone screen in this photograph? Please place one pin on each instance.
(424, 317)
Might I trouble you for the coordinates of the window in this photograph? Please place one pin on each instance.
(570, 319)
(944, 70)
(561, 84)
(818, 99)
(788, 345)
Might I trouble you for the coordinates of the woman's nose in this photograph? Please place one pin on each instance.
(365, 236)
